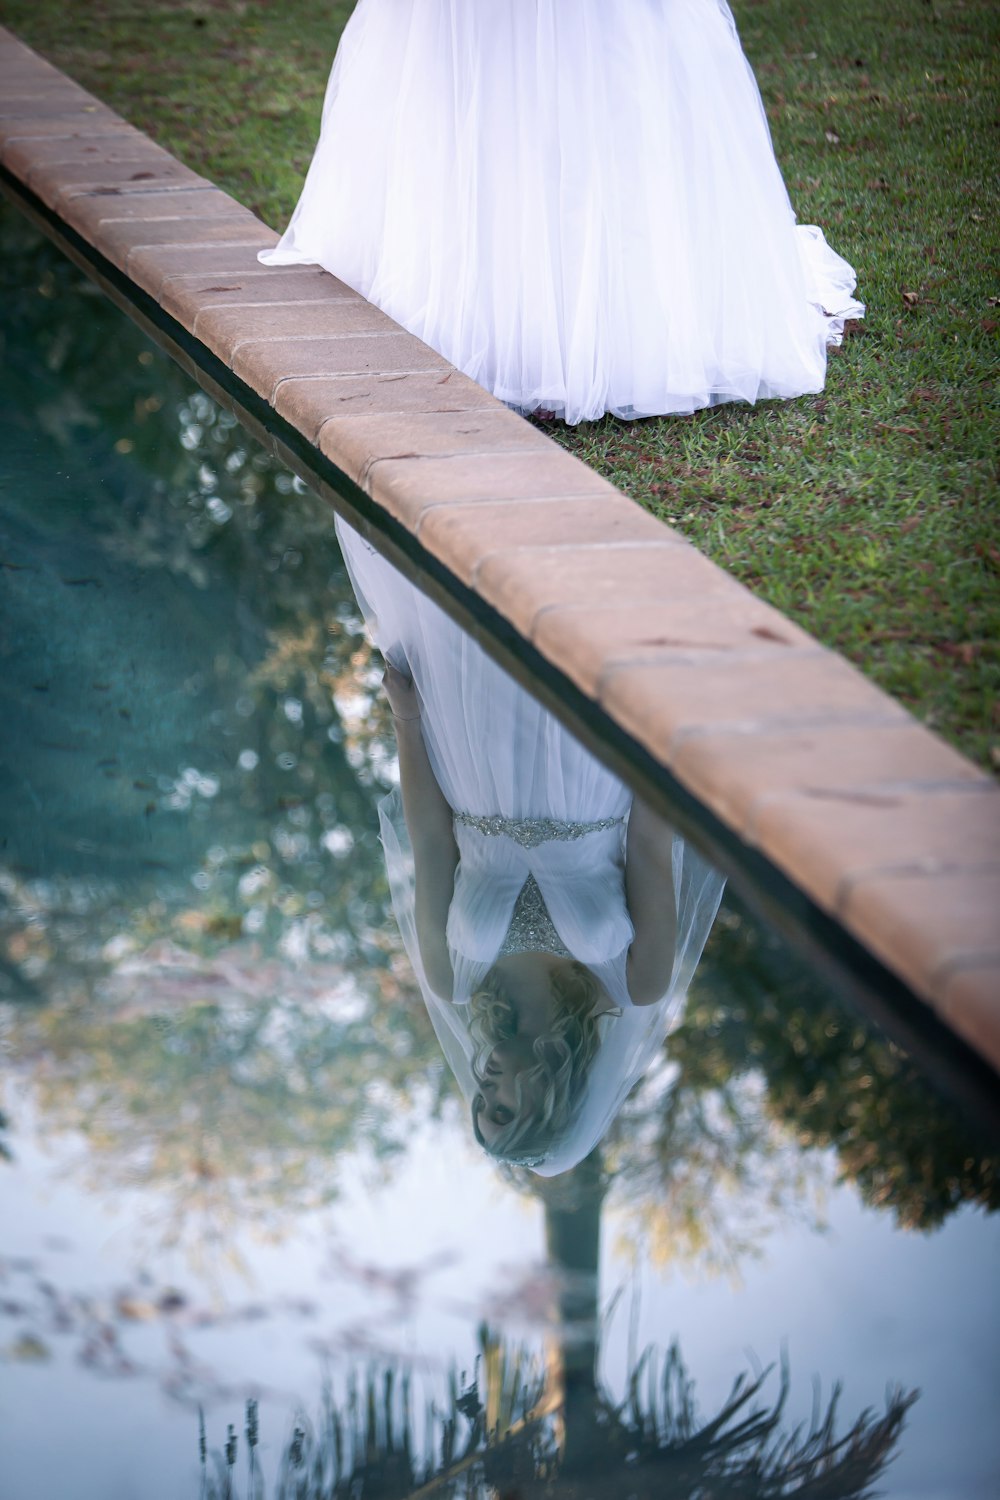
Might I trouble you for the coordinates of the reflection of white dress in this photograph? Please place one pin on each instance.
(575, 201)
(527, 795)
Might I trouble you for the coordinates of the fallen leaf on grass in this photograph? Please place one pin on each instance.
(900, 634)
(910, 298)
(963, 651)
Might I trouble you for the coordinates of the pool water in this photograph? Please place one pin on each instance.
(249, 1244)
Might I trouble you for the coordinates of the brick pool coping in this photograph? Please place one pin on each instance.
(876, 820)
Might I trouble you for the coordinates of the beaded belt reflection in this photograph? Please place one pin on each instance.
(530, 832)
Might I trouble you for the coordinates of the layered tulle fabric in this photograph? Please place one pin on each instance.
(496, 752)
(575, 201)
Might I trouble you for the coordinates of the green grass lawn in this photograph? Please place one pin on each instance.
(869, 513)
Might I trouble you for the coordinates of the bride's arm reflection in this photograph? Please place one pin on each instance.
(652, 904)
(430, 824)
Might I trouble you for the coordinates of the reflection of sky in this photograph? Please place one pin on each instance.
(442, 1215)
(865, 1305)
(407, 1266)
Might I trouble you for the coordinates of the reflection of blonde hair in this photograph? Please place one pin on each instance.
(562, 1056)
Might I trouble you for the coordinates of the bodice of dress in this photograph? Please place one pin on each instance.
(531, 928)
(539, 885)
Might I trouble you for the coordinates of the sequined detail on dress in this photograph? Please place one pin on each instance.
(531, 928)
(530, 832)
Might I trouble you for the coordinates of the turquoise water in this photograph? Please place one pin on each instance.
(235, 1167)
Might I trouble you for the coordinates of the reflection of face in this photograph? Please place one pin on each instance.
(496, 1105)
(527, 979)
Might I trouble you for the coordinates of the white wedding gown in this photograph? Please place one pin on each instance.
(574, 201)
(534, 809)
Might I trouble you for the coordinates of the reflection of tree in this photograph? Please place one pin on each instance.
(203, 969)
(196, 936)
(829, 1080)
(712, 1175)
(178, 716)
(771, 1090)
(555, 1430)
(233, 1085)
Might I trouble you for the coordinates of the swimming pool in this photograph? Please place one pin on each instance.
(238, 1170)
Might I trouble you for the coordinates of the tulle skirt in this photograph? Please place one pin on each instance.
(493, 748)
(574, 201)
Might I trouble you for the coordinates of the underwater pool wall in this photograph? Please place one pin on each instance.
(853, 828)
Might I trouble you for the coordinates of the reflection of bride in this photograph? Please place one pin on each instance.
(553, 923)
